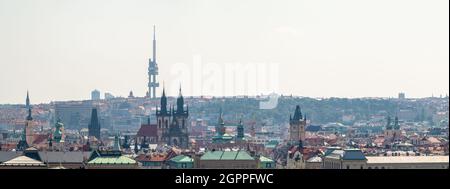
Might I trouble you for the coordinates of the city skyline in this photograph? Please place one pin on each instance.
(63, 50)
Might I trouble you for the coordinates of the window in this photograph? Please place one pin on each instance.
(348, 166)
(167, 124)
(183, 165)
(159, 124)
(268, 165)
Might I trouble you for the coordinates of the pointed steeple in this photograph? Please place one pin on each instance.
(27, 103)
(164, 90)
(298, 113)
(28, 106)
(180, 103)
(396, 125)
(388, 125)
(164, 102)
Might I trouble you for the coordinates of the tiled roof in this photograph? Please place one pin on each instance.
(40, 138)
(112, 160)
(151, 157)
(148, 131)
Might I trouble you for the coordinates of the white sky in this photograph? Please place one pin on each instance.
(63, 49)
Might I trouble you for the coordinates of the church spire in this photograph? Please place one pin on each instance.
(27, 103)
(164, 102)
(29, 118)
(180, 103)
(396, 125)
(388, 124)
(298, 113)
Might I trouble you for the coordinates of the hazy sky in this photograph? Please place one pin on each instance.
(63, 49)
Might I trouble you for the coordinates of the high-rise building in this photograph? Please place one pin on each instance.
(74, 115)
(94, 126)
(297, 126)
(152, 71)
(95, 95)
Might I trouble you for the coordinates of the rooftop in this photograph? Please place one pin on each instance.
(112, 160)
(407, 159)
(226, 155)
(22, 161)
(182, 158)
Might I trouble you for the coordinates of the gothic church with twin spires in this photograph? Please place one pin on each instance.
(172, 124)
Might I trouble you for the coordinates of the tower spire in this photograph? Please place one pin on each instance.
(28, 106)
(27, 103)
(154, 44)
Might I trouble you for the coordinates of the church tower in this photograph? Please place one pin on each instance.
(178, 132)
(29, 123)
(162, 118)
(240, 130)
(152, 71)
(297, 126)
(392, 132)
(58, 136)
(181, 114)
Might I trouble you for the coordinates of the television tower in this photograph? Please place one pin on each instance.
(152, 71)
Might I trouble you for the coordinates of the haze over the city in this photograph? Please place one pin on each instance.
(62, 49)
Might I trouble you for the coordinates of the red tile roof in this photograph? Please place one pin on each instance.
(151, 157)
(40, 138)
(147, 131)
